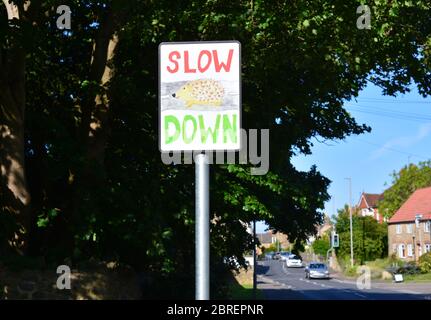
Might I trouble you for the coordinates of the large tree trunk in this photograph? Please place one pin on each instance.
(14, 193)
(94, 127)
(15, 196)
(99, 129)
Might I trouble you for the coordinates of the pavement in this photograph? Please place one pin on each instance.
(277, 282)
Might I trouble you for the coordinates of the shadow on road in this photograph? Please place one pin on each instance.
(336, 294)
(262, 269)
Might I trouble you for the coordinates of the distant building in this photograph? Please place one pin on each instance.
(367, 206)
(409, 228)
(268, 238)
(327, 225)
(321, 230)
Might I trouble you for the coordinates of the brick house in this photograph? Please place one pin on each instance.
(368, 206)
(268, 238)
(325, 227)
(321, 230)
(409, 228)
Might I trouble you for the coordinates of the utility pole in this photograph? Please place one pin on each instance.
(351, 223)
(363, 240)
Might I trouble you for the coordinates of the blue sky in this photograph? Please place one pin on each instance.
(401, 132)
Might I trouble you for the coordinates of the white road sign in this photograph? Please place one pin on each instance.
(199, 96)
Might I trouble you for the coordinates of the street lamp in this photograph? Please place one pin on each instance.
(350, 213)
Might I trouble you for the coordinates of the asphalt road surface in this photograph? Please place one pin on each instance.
(277, 282)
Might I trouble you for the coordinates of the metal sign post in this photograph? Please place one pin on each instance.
(202, 227)
(200, 109)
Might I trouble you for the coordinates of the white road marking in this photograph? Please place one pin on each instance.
(337, 280)
(284, 269)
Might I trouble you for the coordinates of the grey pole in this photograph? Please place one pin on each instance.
(351, 223)
(202, 249)
(254, 260)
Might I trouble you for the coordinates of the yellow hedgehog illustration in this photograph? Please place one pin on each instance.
(202, 92)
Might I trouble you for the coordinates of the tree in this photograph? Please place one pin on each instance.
(404, 183)
(369, 236)
(18, 38)
(322, 245)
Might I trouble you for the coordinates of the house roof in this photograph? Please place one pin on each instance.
(372, 199)
(418, 203)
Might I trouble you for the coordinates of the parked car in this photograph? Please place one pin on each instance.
(294, 261)
(317, 270)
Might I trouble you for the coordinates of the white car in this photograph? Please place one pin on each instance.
(285, 255)
(294, 262)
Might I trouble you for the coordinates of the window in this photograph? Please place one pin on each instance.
(401, 251)
(419, 250)
(399, 229)
(273, 239)
(427, 226)
(410, 228)
(427, 247)
(410, 250)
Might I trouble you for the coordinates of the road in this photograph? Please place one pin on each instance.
(277, 282)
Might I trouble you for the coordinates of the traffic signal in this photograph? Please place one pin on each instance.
(335, 240)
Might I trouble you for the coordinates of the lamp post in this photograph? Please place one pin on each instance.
(351, 223)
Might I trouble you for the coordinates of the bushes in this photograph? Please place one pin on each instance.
(348, 270)
(425, 262)
(409, 268)
(321, 246)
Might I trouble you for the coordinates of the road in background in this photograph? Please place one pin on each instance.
(277, 282)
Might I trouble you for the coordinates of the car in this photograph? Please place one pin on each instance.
(285, 255)
(268, 256)
(294, 261)
(317, 270)
(276, 256)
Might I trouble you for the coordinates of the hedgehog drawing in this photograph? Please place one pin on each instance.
(201, 92)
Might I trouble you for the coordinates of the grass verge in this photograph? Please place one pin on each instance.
(425, 277)
(244, 292)
(241, 286)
